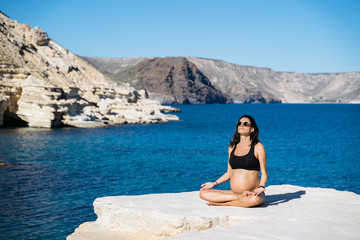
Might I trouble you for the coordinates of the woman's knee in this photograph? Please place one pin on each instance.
(209, 194)
(204, 194)
(256, 201)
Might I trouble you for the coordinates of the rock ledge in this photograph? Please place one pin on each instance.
(291, 212)
(45, 85)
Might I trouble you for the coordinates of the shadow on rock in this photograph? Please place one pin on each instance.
(282, 198)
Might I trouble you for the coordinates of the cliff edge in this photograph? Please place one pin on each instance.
(290, 212)
(45, 85)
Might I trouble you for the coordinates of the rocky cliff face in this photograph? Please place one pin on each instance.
(44, 85)
(245, 84)
(172, 81)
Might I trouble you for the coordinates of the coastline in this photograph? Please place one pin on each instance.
(290, 212)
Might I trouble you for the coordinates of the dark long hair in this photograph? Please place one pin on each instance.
(253, 136)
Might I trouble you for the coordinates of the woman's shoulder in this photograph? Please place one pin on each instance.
(259, 147)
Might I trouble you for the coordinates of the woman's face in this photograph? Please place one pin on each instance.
(244, 126)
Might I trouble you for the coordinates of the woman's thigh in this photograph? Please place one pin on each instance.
(222, 191)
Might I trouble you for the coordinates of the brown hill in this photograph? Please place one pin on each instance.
(172, 81)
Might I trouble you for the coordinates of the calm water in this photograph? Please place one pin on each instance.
(53, 176)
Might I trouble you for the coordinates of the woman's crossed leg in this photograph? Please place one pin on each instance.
(228, 198)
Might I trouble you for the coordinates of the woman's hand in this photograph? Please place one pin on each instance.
(258, 191)
(207, 186)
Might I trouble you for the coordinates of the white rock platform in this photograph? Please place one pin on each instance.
(291, 212)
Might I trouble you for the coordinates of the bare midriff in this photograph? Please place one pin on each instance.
(242, 180)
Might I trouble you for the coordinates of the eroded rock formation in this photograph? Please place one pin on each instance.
(43, 84)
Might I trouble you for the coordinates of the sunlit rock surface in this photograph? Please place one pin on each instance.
(45, 85)
(291, 212)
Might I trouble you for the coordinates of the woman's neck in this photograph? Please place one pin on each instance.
(245, 140)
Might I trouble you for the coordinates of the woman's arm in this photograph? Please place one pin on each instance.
(224, 178)
(261, 155)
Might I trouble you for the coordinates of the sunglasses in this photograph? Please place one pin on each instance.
(245, 124)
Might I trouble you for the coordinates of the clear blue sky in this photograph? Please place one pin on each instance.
(286, 35)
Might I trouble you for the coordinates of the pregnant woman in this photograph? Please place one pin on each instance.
(246, 159)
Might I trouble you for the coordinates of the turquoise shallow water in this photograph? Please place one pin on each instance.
(53, 176)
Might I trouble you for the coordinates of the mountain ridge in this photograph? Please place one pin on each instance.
(250, 84)
(172, 80)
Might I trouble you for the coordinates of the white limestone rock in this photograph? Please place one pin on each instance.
(291, 212)
(44, 85)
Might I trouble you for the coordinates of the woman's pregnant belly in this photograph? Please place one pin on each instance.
(244, 180)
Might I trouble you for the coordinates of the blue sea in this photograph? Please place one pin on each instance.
(53, 176)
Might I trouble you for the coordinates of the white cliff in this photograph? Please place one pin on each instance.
(290, 212)
(43, 84)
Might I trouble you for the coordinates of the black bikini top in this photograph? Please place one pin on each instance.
(248, 161)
